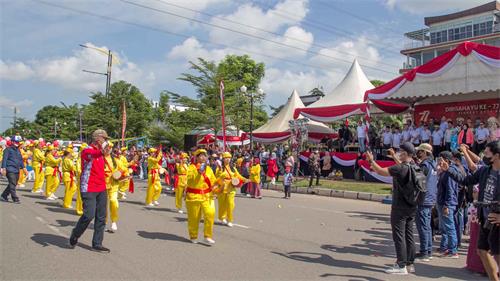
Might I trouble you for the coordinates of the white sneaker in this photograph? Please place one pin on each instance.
(55, 197)
(156, 203)
(39, 191)
(114, 227)
(150, 205)
(224, 221)
(248, 195)
(397, 270)
(194, 241)
(22, 185)
(230, 224)
(410, 268)
(210, 241)
(180, 211)
(51, 198)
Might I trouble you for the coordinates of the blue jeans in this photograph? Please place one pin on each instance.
(423, 222)
(362, 146)
(448, 230)
(459, 224)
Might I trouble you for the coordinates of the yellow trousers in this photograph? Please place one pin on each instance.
(51, 185)
(123, 186)
(226, 205)
(79, 203)
(39, 178)
(154, 191)
(113, 203)
(70, 189)
(179, 191)
(194, 211)
(22, 177)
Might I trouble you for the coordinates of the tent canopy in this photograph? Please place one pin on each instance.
(278, 129)
(345, 100)
(470, 68)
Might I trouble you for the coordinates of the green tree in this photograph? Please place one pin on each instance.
(58, 122)
(318, 91)
(106, 112)
(377, 83)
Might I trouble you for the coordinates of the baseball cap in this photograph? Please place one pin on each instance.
(446, 155)
(408, 148)
(100, 133)
(425, 147)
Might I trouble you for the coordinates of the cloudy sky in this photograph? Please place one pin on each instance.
(303, 43)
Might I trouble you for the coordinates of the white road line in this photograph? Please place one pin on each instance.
(53, 228)
(242, 226)
(14, 217)
(40, 219)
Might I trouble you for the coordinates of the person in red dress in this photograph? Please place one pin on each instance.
(272, 168)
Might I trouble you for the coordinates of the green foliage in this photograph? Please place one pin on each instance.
(318, 91)
(377, 83)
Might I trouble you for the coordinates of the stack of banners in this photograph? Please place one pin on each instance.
(370, 175)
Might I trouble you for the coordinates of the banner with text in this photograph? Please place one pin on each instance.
(453, 110)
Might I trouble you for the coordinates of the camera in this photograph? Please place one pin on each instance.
(493, 207)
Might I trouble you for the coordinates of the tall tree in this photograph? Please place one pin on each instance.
(318, 91)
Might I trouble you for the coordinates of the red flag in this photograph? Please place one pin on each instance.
(222, 110)
(124, 122)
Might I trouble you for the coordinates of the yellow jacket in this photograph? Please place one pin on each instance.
(255, 173)
(38, 157)
(109, 168)
(124, 164)
(51, 164)
(154, 163)
(68, 169)
(224, 176)
(196, 181)
(182, 169)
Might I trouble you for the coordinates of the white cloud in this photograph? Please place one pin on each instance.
(67, 71)
(15, 70)
(10, 103)
(191, 49)
(433, 6)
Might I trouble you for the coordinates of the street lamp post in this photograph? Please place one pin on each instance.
(243, 89)
(108, 68)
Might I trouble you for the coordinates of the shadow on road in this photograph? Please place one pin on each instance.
(64, 223)
(180, 219)
(62, 210)
(49, 203)
(380, 218)
(162, 236)
(132, 202)
(46, 239)
(36, 196)
(162, 209)
(351, 277)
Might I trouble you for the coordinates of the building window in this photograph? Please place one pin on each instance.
(427, 56)
(483, 28)
(415, 60)
(442, 51)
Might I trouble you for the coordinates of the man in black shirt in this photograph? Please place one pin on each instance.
(402, 213)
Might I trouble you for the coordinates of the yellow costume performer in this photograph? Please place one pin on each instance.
(38, 162)
(124, 185)
(199, 198)
(69, 178)
(180, 181)
(111, 165)
(225, 198)
(79, 203)
(51, 172)
(154, 185)
(22, 172)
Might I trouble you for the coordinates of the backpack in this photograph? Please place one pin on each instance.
(414, 190)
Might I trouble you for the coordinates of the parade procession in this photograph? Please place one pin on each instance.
(250, 140)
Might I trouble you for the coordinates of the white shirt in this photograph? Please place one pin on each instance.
(425, 135)
(437, 137)
(443, 126)
(396, 139)
(482, 134)
(406, 135)
(361, 131)
(415, 135)
(387, 137)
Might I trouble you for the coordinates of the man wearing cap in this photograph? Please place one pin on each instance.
(402, 213)
(93, 192)
(199, 197)
(12, 163)
(38, 163)
(52, 161)
(180, 182)
(225, 198)
(154, 184)
(424, 218)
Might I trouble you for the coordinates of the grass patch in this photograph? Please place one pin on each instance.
(359, 186)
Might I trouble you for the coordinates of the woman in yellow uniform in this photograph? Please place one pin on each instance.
(255, 178)
(180, 180)
(52, 162)
(154, 185)
(111, 164)
(124, 185)
(69, 178)
(79, 203)
(38, 162)
(22, 174)
(199, 197)
(225, 198)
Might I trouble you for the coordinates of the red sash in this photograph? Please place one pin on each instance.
(198, 191)
(131, 185)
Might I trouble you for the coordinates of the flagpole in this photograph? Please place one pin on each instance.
(124, 122)
(221, 88)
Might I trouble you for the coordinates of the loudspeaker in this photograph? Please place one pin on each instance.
(189, 141)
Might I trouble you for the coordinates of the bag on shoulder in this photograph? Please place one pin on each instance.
(414, 190)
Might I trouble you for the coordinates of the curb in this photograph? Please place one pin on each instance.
(382, 198)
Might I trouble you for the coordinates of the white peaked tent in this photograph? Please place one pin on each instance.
(345, 100)
(278, 129)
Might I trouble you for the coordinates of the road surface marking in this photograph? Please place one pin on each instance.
(53, 228)
(242, 226)
(40, 219)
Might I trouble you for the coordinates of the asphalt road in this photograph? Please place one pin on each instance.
(305, 238)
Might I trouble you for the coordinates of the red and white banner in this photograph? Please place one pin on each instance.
(345, 158)
(487, 54)
(330, 113)
(271, 137)
(365, 165)
(466, 109)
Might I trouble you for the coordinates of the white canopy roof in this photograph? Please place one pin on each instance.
(279, 123)
(351, 90)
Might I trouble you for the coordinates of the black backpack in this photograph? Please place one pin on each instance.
(414, 190)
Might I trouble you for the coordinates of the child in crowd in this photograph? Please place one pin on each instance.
(287, 182)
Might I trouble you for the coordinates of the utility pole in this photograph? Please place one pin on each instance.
(15, 117)
(81, 125)
(108, 68)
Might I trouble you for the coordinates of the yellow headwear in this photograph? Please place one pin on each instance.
(110, 144)
(152, 150)
(84, 145)
(226, 155)
(184, 155)
(199, 151)
(123, 148)
(50, 147)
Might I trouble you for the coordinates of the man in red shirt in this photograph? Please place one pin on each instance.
(93, 192)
